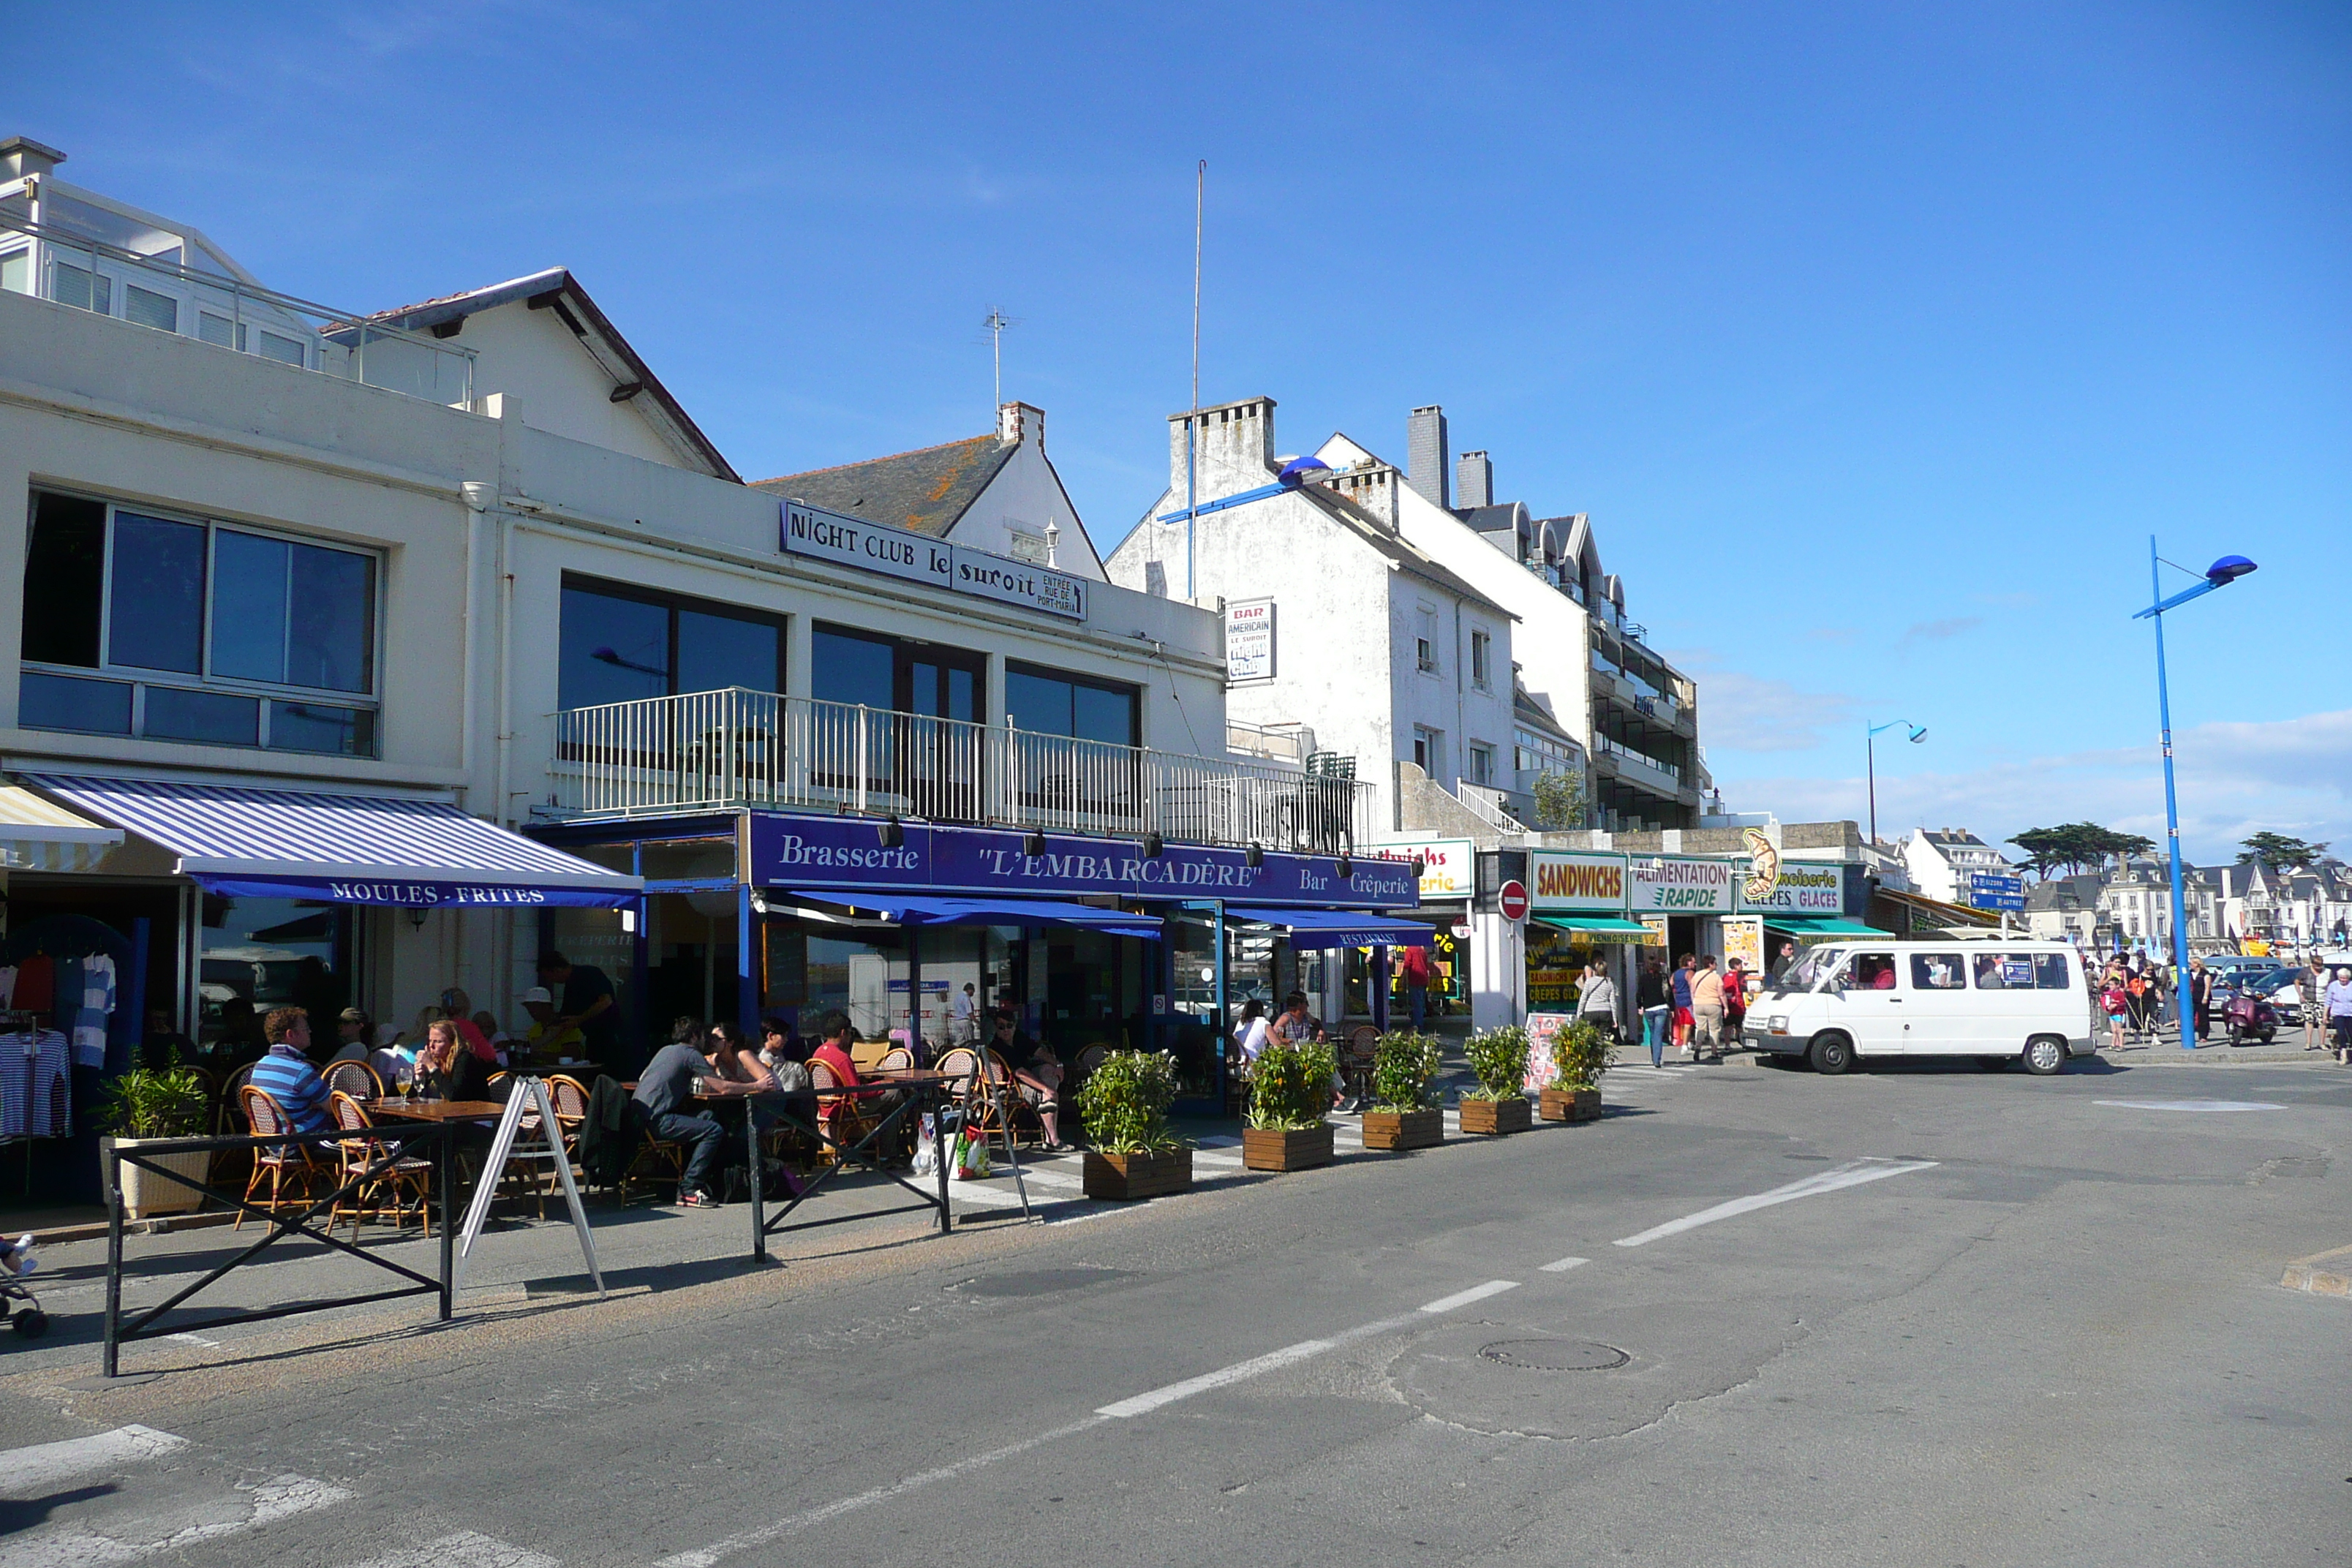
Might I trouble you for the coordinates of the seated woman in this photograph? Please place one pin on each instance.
(449, 1068)
(1036, 1067)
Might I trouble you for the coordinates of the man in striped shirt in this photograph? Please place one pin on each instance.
(286, 1075)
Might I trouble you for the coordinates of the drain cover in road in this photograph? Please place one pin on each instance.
(1040, 1281)
(1555, 1355)
(2191, 1104)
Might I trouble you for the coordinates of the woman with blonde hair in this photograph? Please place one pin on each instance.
(448, 1066)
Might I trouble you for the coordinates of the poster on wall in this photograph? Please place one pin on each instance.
(1743, 939)
(1249, 640)
(1660, 935)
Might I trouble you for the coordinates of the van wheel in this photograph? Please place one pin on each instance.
(2043, 1055)
(1830, 1054)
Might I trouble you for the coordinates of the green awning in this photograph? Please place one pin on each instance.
(1822, 925)
(1600, 927)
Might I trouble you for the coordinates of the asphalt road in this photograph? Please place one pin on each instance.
(2002, 1320)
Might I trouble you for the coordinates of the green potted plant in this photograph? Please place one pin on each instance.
(1125, 1102)
(149, 1103)
(1500, 1103)
(1401, 1117)
(1580, 1053)
(1290, 1090)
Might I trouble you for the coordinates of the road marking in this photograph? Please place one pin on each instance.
(1852, 1173)
(1475, 1293)
(72, 1547)
(2191, 1104)
(467, 1549)
(1564, 1265)
(195, 1340)
(793, 1524)
(1238, 1373)
(24, 1471)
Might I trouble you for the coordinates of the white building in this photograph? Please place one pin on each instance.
(1940, 861)
(1584, 663)
(314, 608)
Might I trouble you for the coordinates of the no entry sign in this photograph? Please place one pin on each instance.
(1512, 899)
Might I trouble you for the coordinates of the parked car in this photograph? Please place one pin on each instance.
(1998, 1002)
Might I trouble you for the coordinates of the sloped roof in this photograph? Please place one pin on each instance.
(1386, 540)
(926, 490)
(1526, 709)
(555, 288)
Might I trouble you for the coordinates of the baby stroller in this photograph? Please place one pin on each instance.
(16, 1266)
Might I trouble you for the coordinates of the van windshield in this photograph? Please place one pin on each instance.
(1815, 966)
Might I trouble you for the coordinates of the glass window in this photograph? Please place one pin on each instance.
(1051, 704)
(65, 577)
(17, 272)
(716, 651)
(610, 650)
(330, 618)
(175, 713)
(263, 954)
(1938, 972)
(248, 606)
(156, 618)
(1482, 764)
(2052, 972)
(852, 669)
(71, 285)
(149, 308)
(60, 702)
(2005, 970)
(318, 727)
(1871, 972)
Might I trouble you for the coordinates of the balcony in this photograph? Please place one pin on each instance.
(738, 749)
(1647, 772)
(155, 285)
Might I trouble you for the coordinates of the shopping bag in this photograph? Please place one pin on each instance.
(927, 1146)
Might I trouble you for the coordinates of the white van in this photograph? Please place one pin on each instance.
(1998, 1001)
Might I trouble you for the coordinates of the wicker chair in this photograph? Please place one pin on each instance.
(282, 1165)
(355, 1078)
(843, 1117)
(407, 1173)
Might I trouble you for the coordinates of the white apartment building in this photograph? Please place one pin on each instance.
(1941, 860)
(356, 656)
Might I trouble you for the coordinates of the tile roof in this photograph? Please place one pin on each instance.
(926, 490)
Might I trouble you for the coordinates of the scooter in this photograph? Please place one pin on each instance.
(16, 1265)
(2249, 1017)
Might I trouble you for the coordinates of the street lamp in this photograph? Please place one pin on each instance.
(2221, 575)
(1870, 756)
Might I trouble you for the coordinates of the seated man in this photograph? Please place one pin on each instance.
(286, 1075)
(665, 1100)
(351, 1031)
(1034, 1067)
(549, 1038)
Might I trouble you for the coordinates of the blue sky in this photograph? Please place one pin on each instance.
(1875, 341)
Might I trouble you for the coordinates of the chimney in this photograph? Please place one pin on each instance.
(1017, 422)
(1474, 479)
(1235, 450)
(1424, 454)
(1374, 488)
(21, 155)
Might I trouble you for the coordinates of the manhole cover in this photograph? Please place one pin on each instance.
(1555, 1355)
(1039, 1281)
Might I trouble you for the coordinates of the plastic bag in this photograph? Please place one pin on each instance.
(970, 1157)
(927, 1146)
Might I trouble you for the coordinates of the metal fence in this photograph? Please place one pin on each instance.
(738, 747)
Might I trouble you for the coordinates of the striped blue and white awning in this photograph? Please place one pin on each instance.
(340, 848)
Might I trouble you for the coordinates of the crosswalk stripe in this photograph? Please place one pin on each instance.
(23, 1471)
(75, 1547)
(467, 1549)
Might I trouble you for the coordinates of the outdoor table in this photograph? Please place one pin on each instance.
(439, 1109)
(920, 1089)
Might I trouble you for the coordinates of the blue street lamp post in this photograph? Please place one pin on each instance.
(1870, 757)
(2221, 575)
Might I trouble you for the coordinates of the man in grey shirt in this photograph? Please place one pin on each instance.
(665, 1100)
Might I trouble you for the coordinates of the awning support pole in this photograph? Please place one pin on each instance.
(747, 982)
(1217, 1030)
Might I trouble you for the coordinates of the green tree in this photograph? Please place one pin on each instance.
(2277, 849)
(2077, 845)
(1559, 801)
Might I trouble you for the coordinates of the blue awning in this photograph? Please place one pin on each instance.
(340, 848)
(928, 910)
(1311, 929)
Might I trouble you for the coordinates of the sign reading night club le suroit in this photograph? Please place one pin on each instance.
(849, 541)
(843, 854)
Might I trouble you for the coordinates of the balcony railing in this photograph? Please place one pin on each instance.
(737, 748)
(1618, 749)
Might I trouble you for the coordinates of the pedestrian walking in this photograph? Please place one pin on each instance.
(2115, 1002)
(1735, 1005)
(1707, 1009)
(1657, 1006)
(2311, 987)
(1413, 969)
(2339, 999)
(1596, 1004)
(1682, 988)
(2200, 996)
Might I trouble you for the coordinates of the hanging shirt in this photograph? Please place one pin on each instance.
(96, 1001)
(15, 1083)
(52, 1098)
(35, 989)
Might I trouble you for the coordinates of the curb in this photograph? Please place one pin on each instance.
(58, 1236)
(2304, 1273)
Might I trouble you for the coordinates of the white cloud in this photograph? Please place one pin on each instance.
(1742, 713)
(1941, 631)
(2289, 776)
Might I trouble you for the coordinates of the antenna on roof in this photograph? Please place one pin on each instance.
(994, 326)
(1193, 414)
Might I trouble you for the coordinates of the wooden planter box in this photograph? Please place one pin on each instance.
(1120, 1177)
(1398, 1130)
(145, 1193)
(1497, 1116)
(1264, 1149)
(1571, 1105)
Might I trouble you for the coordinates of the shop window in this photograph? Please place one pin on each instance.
(264, 953)
(201, 622)
(617, 643)
(1048, 704)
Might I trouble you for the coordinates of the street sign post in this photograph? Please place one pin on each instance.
(1997, 890)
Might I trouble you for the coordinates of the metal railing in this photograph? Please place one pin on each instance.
(737, 748)
(1492, 806)
(245, 317)
(1619, 749)
(1290, 745)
